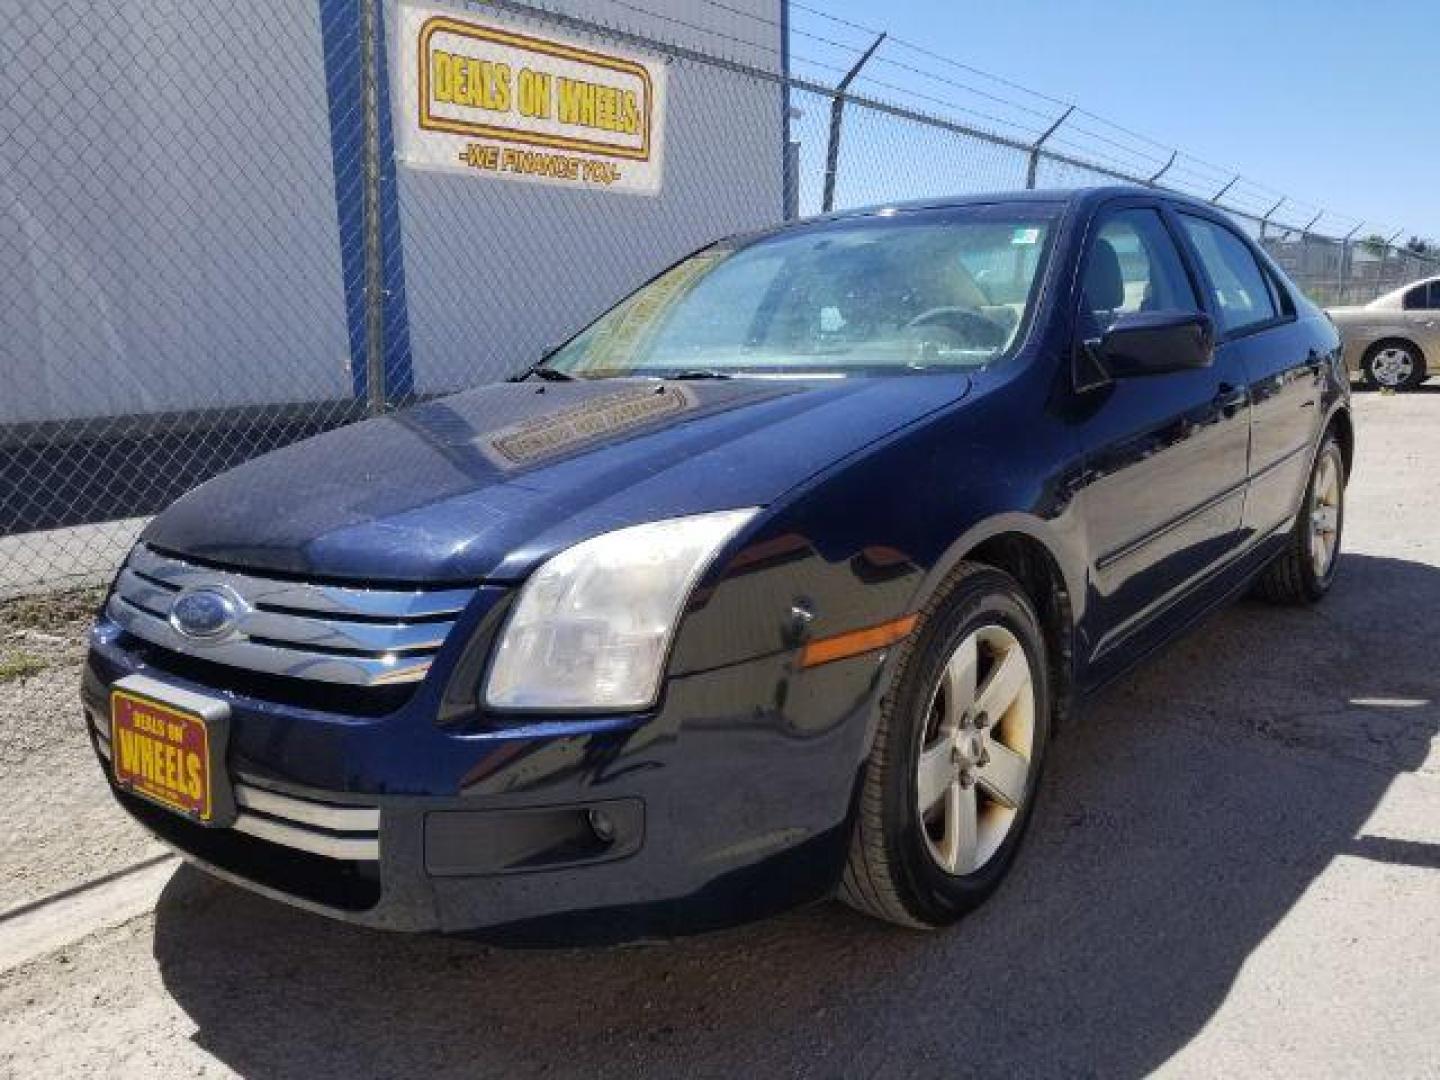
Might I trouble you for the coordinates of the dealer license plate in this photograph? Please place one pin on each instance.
(163, 752)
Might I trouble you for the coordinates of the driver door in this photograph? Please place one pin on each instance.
(1165, 454)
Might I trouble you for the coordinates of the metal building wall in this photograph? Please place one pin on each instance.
(179, 209)
(495, 270)
(167, 209)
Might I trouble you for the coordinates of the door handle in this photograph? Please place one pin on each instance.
(1229, 398)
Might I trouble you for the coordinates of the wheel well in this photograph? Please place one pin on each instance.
(1344, 429)
(1030, 563)
(1394, 340)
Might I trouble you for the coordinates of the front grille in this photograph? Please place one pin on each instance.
(366, 701)
(320, 633)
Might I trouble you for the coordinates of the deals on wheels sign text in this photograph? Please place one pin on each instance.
(477, 95)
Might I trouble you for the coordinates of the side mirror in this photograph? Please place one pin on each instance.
(1155, 343)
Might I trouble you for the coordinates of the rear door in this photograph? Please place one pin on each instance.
(1422, 317)
(1262, 342)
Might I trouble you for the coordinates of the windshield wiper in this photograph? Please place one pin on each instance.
(540, 371)
(698, 373)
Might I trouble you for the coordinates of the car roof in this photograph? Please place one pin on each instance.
(1078, 198)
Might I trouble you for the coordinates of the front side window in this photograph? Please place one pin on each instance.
(1133, 265)
(1242, 296)
(894, 294)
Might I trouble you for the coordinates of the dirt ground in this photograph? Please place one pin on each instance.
(1234, 870)
(57, 826)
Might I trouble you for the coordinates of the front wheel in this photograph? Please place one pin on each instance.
(1305, 570)
(951, 779)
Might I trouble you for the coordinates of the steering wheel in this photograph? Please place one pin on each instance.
(975, 331)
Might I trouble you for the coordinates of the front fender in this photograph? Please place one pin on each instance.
(869, 542)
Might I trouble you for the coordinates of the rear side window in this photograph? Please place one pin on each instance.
(1423, 297)
(1132, 266)
(1242, 296)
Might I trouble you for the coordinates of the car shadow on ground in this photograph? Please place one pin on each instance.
(1431, 387)
(1183, 816)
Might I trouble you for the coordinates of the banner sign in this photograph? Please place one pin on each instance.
(477, 94)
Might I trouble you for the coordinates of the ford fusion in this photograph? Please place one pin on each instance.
(774, 582)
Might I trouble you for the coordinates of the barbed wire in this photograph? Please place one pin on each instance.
(1125, 148)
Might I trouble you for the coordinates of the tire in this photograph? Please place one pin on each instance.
(1299, 575)
(894, 871)
(1394, 364)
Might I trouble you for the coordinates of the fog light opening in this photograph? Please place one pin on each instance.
(602, 825)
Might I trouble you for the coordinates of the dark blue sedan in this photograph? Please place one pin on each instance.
(776, 580)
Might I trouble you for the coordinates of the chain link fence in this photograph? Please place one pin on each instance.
(172, 297)
(207, 249)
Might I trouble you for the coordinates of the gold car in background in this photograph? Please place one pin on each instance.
(1391, 339)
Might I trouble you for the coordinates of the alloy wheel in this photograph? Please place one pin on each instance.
(1393, 366)
(978, 743)
(1326, 493)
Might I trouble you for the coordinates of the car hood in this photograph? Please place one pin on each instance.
(484, 484)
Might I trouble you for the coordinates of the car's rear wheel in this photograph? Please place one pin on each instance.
(951, 779)
(1305, 570)
(1394, 365)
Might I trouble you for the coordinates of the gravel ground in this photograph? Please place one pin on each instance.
(58, 825)
(1234, 870)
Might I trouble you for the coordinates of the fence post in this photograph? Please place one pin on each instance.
(1380, 282)
(1034, 166)
(1215, 199)
(1307, 243)
(1265, 221)
(375, 389)
(837, 109)
(1342, 273)
(1155, 178)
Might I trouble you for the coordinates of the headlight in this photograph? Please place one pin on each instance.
(593, 625)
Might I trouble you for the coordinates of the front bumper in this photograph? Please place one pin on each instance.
(728, 802)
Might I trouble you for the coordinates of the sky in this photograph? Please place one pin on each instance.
(1336, 104)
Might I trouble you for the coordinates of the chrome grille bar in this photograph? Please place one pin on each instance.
(336, 818)
(323, 633)
(329, 829)
(326, 633)
(362, 848)
(274, 594)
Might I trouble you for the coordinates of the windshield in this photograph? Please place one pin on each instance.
(888, 294)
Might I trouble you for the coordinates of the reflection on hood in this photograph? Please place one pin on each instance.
(538, 438)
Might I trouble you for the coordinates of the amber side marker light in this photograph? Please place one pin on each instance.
(855, 642)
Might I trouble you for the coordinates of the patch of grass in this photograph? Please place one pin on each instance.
(50, 611)
(38, 633)
(19, 666)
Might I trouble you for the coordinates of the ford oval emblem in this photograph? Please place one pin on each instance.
(206, 613)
